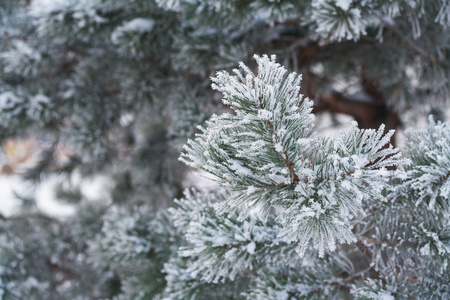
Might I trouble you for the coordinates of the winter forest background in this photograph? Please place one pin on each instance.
(110, 94)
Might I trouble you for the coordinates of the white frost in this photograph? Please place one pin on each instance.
(350, 26)
(385, 296)
(425, 250)
(344, 4)
(138, 25)
(21, 59)
(8, 100)
(264, 114)
(240, 169)
(278, 147)
(251, 189)
(45, 7)
(251, 248)
(279, 179)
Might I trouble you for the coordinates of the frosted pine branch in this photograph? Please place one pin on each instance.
(221, 247)
(268, 154)
(430, 150)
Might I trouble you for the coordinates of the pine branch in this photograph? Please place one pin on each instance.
(289, 164)
(419, 50)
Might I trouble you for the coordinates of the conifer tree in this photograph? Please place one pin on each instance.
(120, 86)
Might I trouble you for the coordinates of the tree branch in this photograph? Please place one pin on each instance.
(384, 243)
(287, 161)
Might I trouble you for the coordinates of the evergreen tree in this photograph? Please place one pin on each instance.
(121, 85)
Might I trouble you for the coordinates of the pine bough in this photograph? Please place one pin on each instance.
(287, 187)
(266, 152)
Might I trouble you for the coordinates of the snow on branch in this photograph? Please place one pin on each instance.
(429, 149)
(221, 247)
(266, 152)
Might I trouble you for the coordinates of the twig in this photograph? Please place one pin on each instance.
(287, 161)
(384, 243)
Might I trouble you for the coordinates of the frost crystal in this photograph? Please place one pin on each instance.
(8, 100)
(138, 25)
(338, 19)
(48, 13)
(22, 60)
(385, 296)
(251, 248)
(344, 4)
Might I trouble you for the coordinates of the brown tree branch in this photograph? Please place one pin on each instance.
(368, 114)
(385, 243)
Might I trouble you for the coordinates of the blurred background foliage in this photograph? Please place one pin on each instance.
(115, 87)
